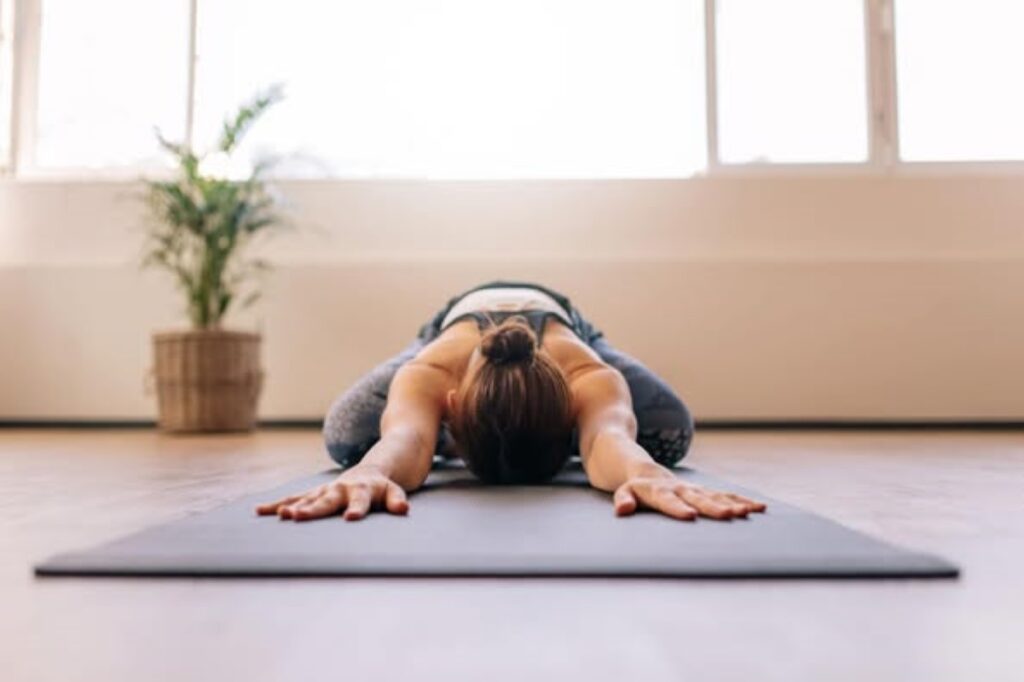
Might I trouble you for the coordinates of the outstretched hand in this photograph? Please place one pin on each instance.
(676, 498)
(356, 491)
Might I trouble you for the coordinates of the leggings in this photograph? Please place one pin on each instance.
(664, 424)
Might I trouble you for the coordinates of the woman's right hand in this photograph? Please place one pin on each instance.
(357, 490)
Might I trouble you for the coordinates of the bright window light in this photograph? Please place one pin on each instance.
(958, 74)
(462, 88)
(109, 72)
(791, 80)
(6, 74)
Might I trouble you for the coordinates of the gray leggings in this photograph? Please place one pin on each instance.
(664, 424)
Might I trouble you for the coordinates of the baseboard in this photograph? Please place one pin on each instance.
(858, 424)
(709, 424)
(138, 423)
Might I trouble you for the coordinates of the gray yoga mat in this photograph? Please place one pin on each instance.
(457, 526)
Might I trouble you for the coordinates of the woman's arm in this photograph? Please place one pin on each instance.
(410, 424)
(607, 429)
(615, 462)
(399, 461)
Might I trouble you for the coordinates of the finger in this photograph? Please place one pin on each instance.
(735, 508)
(394, 499)
(312, 496)
(287, 511)
(754, 505)
(670, 504)
(704, 504)
(290, 510)
(746, 504)
(329, 502)
(624, 500)
(272, 507)
(358, 503)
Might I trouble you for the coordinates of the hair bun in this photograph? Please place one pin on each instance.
(511, 341)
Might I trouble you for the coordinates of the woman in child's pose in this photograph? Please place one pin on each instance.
(509, 377)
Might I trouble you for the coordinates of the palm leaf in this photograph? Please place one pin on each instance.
(204, 224)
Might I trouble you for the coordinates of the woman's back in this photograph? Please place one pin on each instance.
(452, 349)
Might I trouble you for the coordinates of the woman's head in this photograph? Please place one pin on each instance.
(511, 417)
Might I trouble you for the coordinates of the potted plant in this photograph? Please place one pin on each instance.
(209, 378)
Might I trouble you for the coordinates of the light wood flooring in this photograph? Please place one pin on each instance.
(956, 493)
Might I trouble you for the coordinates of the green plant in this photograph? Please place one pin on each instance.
(204, 221)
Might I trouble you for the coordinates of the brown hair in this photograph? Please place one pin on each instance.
(513, 422)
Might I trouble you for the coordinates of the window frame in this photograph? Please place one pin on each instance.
(882, 121)
(876, 112)
(934, 167)
(28, 35)
(7, 34)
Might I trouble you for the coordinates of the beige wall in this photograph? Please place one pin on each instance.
(839, 296)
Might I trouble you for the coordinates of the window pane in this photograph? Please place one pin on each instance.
(5, 82)
(792, 83)
(958, 68)
(462, 88)
(109, 71)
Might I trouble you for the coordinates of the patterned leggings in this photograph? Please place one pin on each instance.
(664, 424)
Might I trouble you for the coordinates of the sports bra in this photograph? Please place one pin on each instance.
(495, 304)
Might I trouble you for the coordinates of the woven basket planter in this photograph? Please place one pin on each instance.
(207, 380)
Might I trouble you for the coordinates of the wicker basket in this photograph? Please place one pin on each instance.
(207, 380)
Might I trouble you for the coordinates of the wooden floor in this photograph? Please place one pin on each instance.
(960, 494)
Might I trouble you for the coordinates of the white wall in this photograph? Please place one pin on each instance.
(839, 296)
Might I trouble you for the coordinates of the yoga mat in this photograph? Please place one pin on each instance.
(458, 526)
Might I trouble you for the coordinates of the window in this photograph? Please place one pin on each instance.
(514, 89)
(791, 81)
(109, 72)
(462, 88)
(6, 75)
(958, 69)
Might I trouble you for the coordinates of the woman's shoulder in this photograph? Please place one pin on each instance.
(451, 349)
(566, 347)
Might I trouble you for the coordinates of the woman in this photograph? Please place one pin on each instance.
(512, 379)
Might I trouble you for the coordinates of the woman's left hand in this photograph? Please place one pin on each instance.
(666, 493)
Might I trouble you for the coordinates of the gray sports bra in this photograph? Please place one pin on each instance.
(535, 315)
